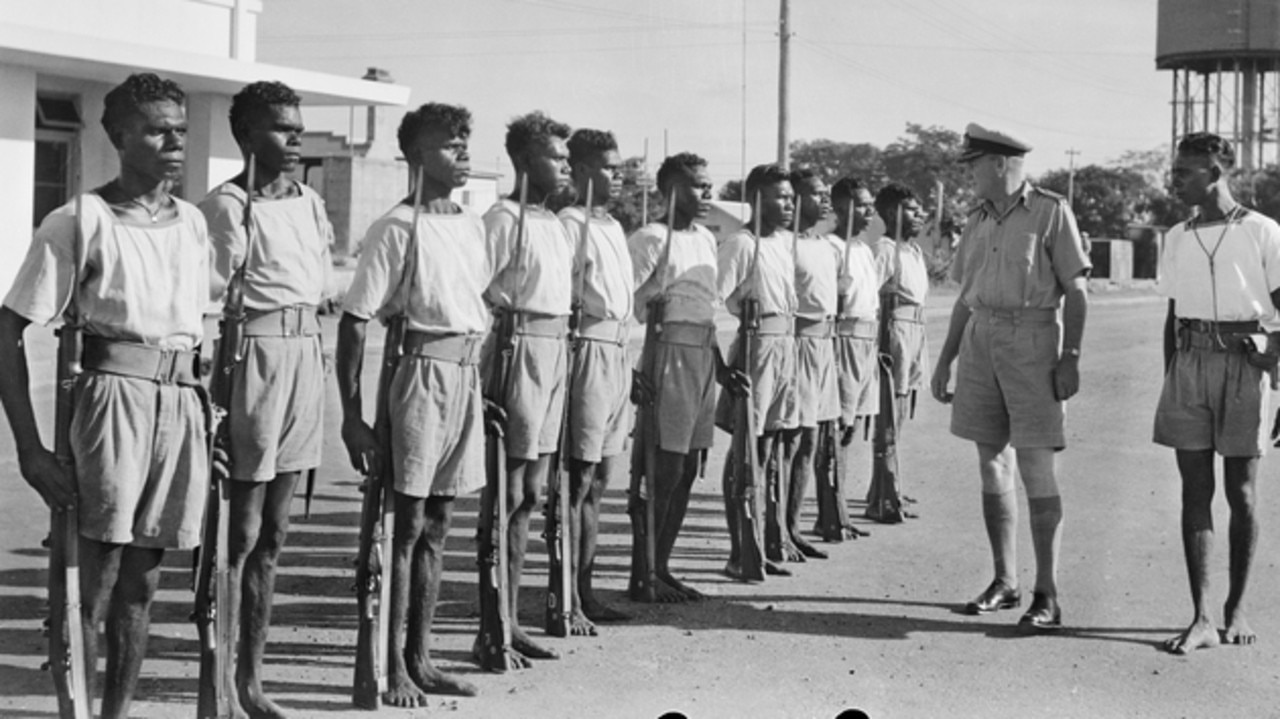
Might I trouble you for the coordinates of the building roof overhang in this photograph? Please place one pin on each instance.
(110, 61)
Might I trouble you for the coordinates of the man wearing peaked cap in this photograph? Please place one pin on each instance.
(979, 141)
(1016, 329)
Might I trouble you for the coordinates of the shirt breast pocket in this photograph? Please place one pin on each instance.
(1020, 251)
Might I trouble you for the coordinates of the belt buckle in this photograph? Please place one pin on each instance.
(167, 366)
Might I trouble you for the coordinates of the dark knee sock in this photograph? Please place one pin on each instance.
(1000, 513)
(1046, 534)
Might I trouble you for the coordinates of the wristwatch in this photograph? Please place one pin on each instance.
(1073, 351)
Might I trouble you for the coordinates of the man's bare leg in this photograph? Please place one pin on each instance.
(99, 569)
(802, 471)
(427, 571)
(524, 485)
(259, 526)
(676, 474)
(587, 483)
(1196, 468)
(402, 690)
(778, 483)
(128, 624)
(1239, 484)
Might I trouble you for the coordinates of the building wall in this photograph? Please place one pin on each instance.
(202, 27)
(17, 157)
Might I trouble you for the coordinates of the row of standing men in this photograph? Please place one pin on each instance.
(515, 324)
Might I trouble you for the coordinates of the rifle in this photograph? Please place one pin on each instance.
(67, 660)
(493, 645)
(743, 453)
(884, 504)
(644, 545)
(558, 529)
(830, 525)
(212, 611)
(377, 507)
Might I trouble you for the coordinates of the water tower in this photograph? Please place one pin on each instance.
(1225, 58)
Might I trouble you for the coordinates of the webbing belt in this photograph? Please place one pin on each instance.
(141, 361)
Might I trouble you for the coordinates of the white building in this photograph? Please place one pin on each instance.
(58, 59)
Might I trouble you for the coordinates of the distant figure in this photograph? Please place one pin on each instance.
(1020, 256)
(1221, 273)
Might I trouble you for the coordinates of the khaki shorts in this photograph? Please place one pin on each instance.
(858, 375)
(1213, 400)
(600, 388)
(142, 462)
(910, 352)
(684, 374)
(437, 428)
(817, 392)
(1004, 384)
(277, 408)
(773, 385)
(535, 396)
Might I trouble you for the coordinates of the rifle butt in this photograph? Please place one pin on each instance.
(493, 643)
(67, 660)
(556, 616)
(369, 681)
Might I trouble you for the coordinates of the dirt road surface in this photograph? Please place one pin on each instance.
(877, 626)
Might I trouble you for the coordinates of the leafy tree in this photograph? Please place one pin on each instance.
(730, 191)
(1259, 189)
(833, 159)
(630, 207)
(1106, 199)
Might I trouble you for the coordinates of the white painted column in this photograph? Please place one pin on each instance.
(18, 158)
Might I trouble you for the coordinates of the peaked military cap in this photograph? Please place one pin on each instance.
(979, 141)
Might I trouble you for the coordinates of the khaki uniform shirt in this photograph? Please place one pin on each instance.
(603, 269)
(859, 279)
(684, 274)
(1246, 270)
(451, 271)
(817, 277)
(137, 283)
(771, 280)
(902, 270)
(540, 279)
(1022, 258)
(290, 263)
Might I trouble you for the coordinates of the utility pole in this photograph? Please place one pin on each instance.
(1071, 178)
(784, 71)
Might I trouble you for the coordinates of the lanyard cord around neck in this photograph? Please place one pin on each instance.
(1230, 217)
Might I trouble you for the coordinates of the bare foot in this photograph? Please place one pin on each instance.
(579, 625)
(403, 692)
(1238, 630)
(852, 532)
(668, 594)
(774, 570)
(689, 592)
(511, 660)
(1200, 635)
(640, 590)
(598, 611)
(434, 681)
(808, 550)
(733, 570)
(256, 704)
(522, 644)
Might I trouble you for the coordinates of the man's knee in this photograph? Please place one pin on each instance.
(1036, 465)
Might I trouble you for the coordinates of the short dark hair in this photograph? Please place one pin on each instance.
(124, 100)
(453, 119)
(760, 176)
(801, 175)
(1207, 144)
(256, 100)
(892, 195)
(585, 143)
(845, 188)
(528, 131)
(681, 164)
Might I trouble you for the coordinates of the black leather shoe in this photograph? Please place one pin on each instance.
(997, 596)
(1044, 614)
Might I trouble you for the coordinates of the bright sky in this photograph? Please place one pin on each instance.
(1059, 74)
